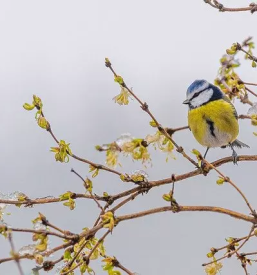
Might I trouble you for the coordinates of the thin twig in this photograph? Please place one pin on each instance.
(119, 265)
(250, 56)
(181, 208)
(236, 240)
(145, 108)
(233, 252)
(15, 255)
(90, 192)
(250, 91)
(55, 227)
(44, 232)
(217, 5)
(98, 166)
(130, 198)
(97, 244)
(227, 179)
(45, 253)
(248, 83)
(89, 255)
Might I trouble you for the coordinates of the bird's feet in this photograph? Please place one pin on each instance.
(235, 157)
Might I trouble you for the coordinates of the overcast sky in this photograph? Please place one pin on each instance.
(56, 50)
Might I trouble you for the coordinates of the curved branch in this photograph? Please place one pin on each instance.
(217, 5)
(45, 253)
(233, 252)
(30, 202)
(196, 172)
(45, 232)
(215, 209)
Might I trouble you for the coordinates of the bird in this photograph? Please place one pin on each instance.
(212, 117)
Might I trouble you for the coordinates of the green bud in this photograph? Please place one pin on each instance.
(88, 184)
(196, 152)
(220, 181)
(28, 107)
(67, 254)
(83, 268)
(42, 122)
(37, 100)
(230, 51)
(254, 122)
(107, 62)
(98, 148)
(210, 255)
(167, 197)
(124, 178)
(119, 79)
(230, 239)
(153, 123)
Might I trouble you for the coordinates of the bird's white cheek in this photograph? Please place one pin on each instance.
(202, 98)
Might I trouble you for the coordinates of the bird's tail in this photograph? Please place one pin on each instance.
(239, 144)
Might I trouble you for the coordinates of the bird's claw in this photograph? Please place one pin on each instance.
(235, 157)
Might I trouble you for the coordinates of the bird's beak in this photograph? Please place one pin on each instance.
(186, 101)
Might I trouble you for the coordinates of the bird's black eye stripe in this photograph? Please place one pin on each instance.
(197, 94)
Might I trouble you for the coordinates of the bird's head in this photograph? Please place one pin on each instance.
(201, 92)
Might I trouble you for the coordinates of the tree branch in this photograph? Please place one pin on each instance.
(215, 209)
(217, 5)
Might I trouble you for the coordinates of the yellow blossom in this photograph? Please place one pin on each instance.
(122, 97)
(111, 158)
(153, 138)
(167, 146)
(128, 147)
(62, 152)
(213, 269)
(163, 143)
(141, 152)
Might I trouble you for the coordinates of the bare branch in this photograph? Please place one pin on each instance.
(221, 210)
(217, 5)
(15, 255)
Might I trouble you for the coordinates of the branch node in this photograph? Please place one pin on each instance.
(144, 143)
(253, 7)
(220, 7)
(214, 250)
(170, 131)
(160, 128)
(76, 238)
(108, 64)
(144, 187)
(109, 200)
(48, 265)
(175, 208)
(145, 107)
(205, 167)
(173, 177)
(227, 179)
(180, 149)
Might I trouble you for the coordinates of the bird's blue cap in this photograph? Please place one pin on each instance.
(197, 86)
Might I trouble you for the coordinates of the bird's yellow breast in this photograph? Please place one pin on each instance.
(214, 124)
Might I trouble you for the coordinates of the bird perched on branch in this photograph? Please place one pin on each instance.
(212, 117)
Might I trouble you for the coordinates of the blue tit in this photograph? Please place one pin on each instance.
(212, 117)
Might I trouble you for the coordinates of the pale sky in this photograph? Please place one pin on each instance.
(56, 50)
